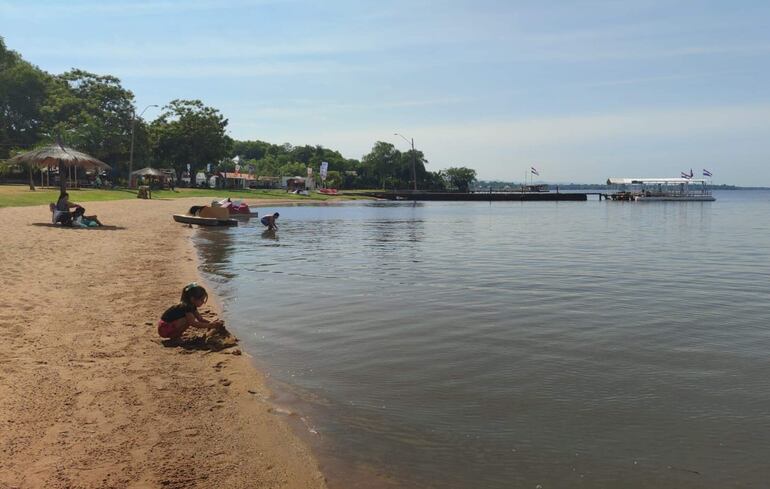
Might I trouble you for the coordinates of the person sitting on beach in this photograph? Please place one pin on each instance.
(79, 219)
(269, 221)
(177, 318)
(63, 204)
(61, 209)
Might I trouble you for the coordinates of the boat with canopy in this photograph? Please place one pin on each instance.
(660, 189)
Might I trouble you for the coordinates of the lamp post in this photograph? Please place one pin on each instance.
(131, 151)
(414, 172)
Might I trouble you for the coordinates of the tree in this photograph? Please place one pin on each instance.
(92, 113)
(294, 169)
(23, 92)
(435, 181)
(188, 132)
(421, 174)
(302, 153)
(460, 177)
(249, 150)
(381, 165)
(333, 179)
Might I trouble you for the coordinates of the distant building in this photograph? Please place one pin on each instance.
(265, 182)
(236, 179)
(294, 183)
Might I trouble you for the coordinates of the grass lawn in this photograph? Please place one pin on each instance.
(21, 195)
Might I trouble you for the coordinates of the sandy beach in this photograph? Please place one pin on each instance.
(90, 397)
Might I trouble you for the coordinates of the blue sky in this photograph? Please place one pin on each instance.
(581, 90)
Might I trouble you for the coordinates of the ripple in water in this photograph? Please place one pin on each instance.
(470, 345)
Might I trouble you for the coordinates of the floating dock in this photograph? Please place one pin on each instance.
(480, 196)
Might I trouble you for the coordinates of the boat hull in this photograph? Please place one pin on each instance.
(204, 221)
(692, 198)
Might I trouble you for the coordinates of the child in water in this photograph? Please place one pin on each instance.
(179, 317)
(269, 221)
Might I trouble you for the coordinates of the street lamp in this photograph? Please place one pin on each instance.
(414, 173)
(131, 151)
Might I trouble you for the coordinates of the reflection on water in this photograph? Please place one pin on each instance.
(215, 249)
(469, 345)
(270, 234)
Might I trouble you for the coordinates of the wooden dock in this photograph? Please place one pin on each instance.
(480, 196)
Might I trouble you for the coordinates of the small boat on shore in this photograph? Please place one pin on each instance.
(235, 208)
(660, 190)
(204, 215)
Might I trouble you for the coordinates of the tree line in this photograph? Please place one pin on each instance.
(97, 115)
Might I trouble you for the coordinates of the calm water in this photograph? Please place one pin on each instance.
(469, 345)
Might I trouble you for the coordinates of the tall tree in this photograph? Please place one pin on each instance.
(417, 158)
(23, 92)
(189, 132)
(460, 177)
(92, 113)
(382, 165)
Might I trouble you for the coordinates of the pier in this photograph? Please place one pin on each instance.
(479, 196)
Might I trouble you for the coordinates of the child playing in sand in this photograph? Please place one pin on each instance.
(179, 317)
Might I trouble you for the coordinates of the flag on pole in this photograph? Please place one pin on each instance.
(324, 169)
(685, 175)
(706, 173)
(534, 170)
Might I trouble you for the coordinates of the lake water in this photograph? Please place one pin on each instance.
(538, 344)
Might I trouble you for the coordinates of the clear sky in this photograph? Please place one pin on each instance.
(582, 90)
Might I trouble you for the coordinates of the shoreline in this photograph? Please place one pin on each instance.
(89, 394)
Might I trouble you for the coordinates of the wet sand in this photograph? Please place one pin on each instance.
(89, 395)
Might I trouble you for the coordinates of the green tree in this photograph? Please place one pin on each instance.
(249, 150)
(92, 113)
(294, 169)
(381, 166)
(405, 170)
(333, 179)
(23, 92)
(435, 181)
(460, 177)
(267, 166)
(302, 154)
(188, 132)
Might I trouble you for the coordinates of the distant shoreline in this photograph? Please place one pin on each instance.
(591, 186)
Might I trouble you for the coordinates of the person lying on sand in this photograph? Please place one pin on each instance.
(177, 318)
(79, 219)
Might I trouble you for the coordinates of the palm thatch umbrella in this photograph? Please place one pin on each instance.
(149, 173)
(59, 156)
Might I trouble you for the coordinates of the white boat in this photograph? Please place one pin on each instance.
(660, 190)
